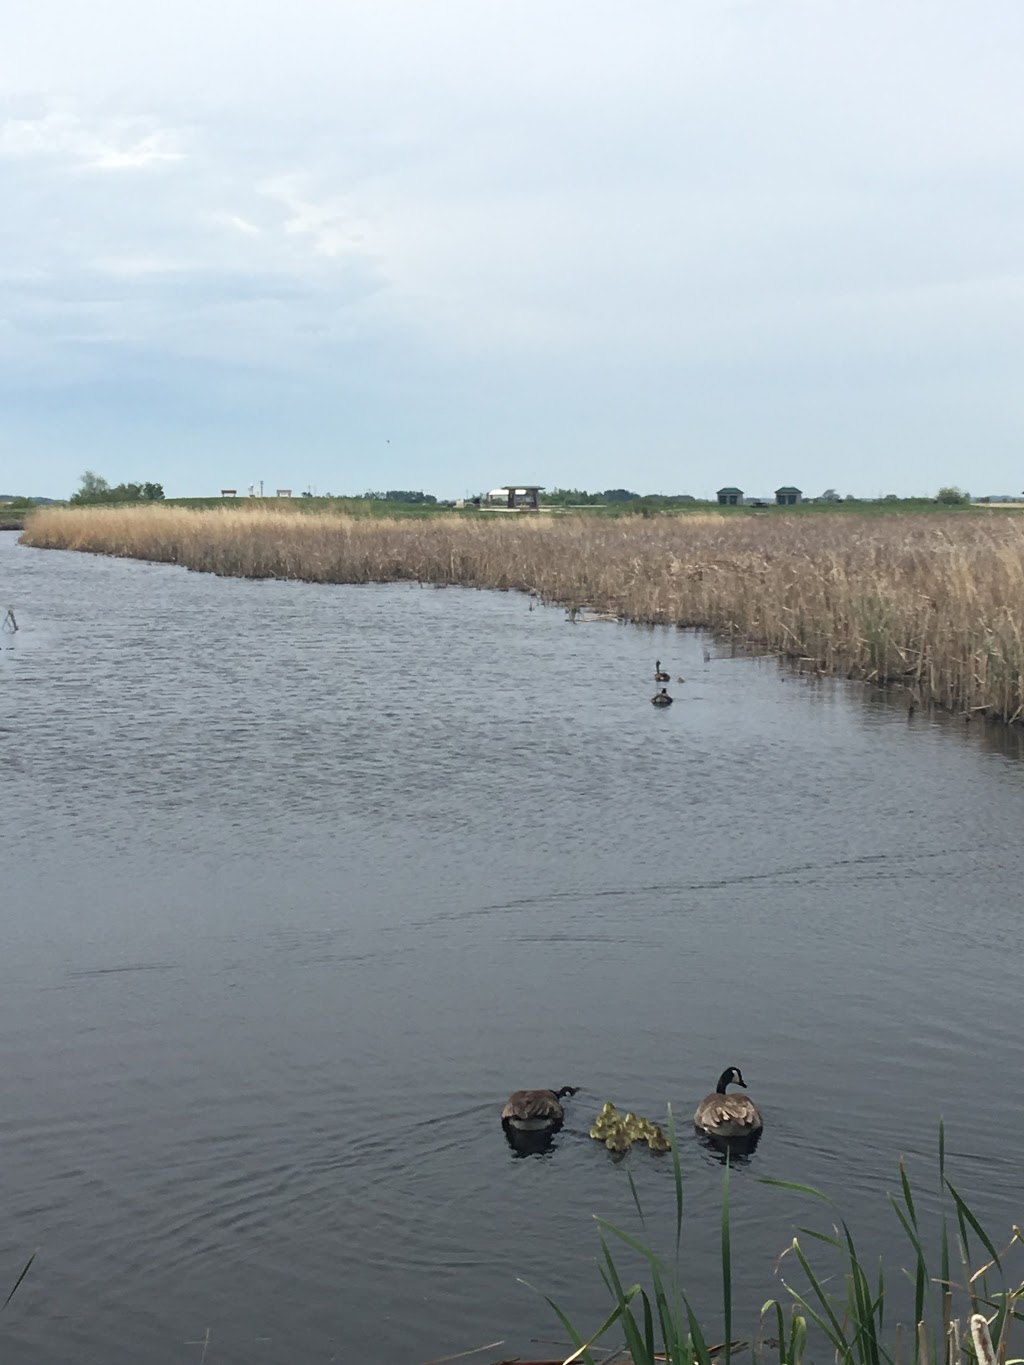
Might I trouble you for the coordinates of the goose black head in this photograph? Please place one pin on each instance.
(730, 1076)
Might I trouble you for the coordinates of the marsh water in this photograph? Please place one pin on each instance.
(299, 882)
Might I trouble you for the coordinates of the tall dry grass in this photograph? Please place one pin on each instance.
(932, 602)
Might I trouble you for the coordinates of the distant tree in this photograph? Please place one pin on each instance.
(570, 497)
(890, 497)
(619, 495)
(953, 497)
(95, 489)
(91, 484)
(830, 495)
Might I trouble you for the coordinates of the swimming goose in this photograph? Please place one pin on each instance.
(661, 698)
(658, 675)
(724, 1115)
(535, 1110)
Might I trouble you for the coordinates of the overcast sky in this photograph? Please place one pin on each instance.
(445, 244)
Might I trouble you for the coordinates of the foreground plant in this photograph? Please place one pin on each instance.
(660, 1324)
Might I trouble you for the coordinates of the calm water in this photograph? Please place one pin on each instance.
(299, 882)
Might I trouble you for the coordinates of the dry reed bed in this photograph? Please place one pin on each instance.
(931, 602)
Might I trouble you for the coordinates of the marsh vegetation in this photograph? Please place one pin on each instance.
(836, 1303)
(930, 603)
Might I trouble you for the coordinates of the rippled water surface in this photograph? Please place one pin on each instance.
(299, 882)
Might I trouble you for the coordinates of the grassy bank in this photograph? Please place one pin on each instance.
(932, 603)
(354, 507)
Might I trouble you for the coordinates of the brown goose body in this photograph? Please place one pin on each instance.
(661, 698)
(728, 1116)
(659, 676)
(535, 1110)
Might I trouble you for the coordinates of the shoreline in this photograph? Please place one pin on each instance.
(924, 603)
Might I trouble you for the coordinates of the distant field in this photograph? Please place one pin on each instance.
(353, 507)
(14, 519)
(929, 602)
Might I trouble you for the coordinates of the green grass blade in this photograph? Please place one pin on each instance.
(822, 1297)
(944, 1254)
(582, 1347)
(864, 1306)
(962, 1207)
(649, 1256)
(700, 1346)
(792, 1185)
(671, 1331)
(634, 1341)
(17, 1282)
(921, 1268)
(677, 1177)
(726, 1264)
(822, 1237)
(648, 1325)
(797, 1337)
(839, 1341)
(636, 1197)
(780, 1328)
(908, 1197)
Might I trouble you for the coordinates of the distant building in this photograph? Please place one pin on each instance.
(229, 492)
(524, 498)
(730, 497)
(788, 497)
(284, 492)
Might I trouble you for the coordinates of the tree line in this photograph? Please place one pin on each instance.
(95, 489)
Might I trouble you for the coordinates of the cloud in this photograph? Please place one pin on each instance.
(237, 222)
(107, 145)
(137, 267)
(332, 229)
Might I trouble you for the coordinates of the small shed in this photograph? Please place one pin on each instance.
(284, 492)
(730, 497)
(229, 492)
(788, 497)
(525, 499)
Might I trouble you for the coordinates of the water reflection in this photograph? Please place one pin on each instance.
(524, 1142)
(737, 1151)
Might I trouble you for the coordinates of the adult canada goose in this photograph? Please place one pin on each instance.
(658, 675)
(533, 1111)
(661, 698)
(728, 1116)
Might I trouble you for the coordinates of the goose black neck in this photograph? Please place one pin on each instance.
(724, 1079)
